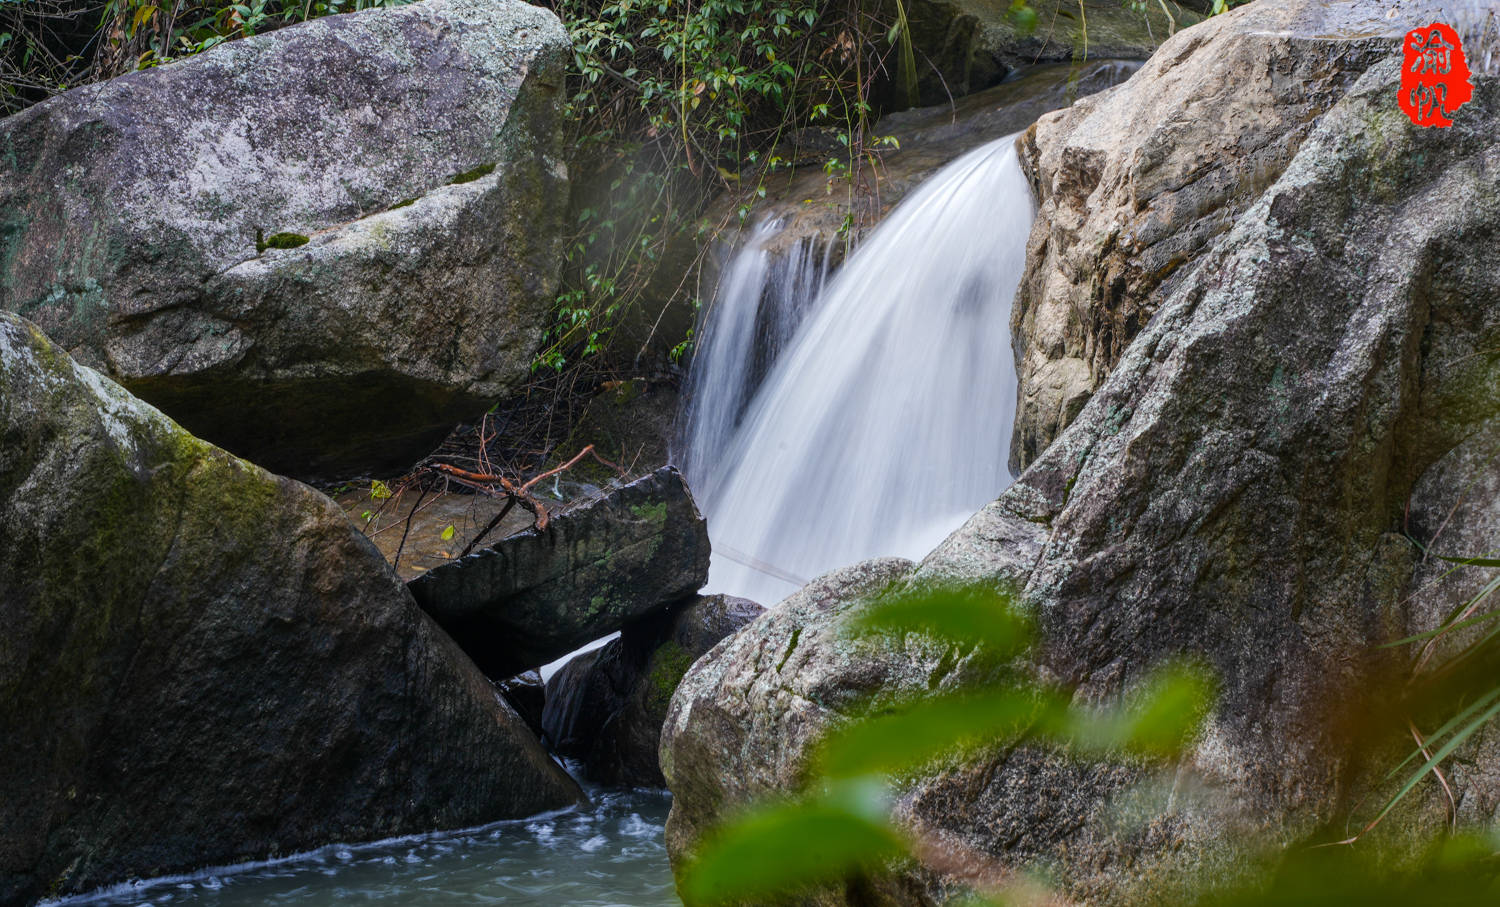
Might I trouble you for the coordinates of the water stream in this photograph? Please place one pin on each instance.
(885, 422)
(608, 854)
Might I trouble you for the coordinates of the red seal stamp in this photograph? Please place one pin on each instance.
(1434, 75)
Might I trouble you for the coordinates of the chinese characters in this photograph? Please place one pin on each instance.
(1434, 75)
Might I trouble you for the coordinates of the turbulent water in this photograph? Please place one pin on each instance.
(609, 854)
(885, 422)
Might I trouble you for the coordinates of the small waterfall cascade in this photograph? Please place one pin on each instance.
(886, 420)
(764, 293)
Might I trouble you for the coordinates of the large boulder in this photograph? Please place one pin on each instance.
(537, 595)
(1134, 184)
(1237, 490)
(415, 152)
(606, 707)
(203, 663)
(741, 724)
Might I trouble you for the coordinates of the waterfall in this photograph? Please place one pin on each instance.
(762, 298)
(885, 421)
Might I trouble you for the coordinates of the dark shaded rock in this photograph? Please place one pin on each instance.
(1237, 490)
(607, 707)
(963, 46)
(202, 663)
(538, 595)
(527, 695)
(1136, 183)
(578, 700)
(417, 297)
(814, 207)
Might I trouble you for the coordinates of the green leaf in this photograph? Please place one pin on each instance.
(967, 615)
(1471, 561)
(447, 534)
(1164, 716)
(794, 845)
(930, 728)
(1448, 726)
(1442, 753)
(379, 491)
(1452, 623)
(1025, 19)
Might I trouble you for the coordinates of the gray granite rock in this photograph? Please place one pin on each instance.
(1136, 183)
(414, 151)
(1236, 490)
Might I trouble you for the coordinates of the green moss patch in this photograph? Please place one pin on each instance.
(279, 241)
(668, 665)
(469, 176)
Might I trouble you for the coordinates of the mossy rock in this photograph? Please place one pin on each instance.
(204, 663)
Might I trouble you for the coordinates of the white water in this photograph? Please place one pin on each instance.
(886, 421)
(761, 301)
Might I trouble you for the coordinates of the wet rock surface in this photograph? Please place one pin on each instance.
(1237, 490)
(606, 707)
(965, 46)
(743, 718)
(822, 210)
(526, 693)
(534, 597)
(318, 247)
(203, 663)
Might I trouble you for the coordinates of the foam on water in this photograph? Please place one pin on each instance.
(608, 854)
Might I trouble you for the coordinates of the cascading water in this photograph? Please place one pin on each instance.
(885, 423)
(762, 299)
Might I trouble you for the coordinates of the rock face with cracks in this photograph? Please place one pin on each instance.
(1320, 386)
(202, 663)
(539, 594)
(1135, 184)
(318, 247)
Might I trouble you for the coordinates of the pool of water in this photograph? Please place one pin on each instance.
(607, 854)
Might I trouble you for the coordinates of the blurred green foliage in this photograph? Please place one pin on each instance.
(840, 826)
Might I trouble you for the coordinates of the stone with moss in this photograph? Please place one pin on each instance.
(204, 663)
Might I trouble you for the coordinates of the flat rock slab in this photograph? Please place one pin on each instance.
(538, 595)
